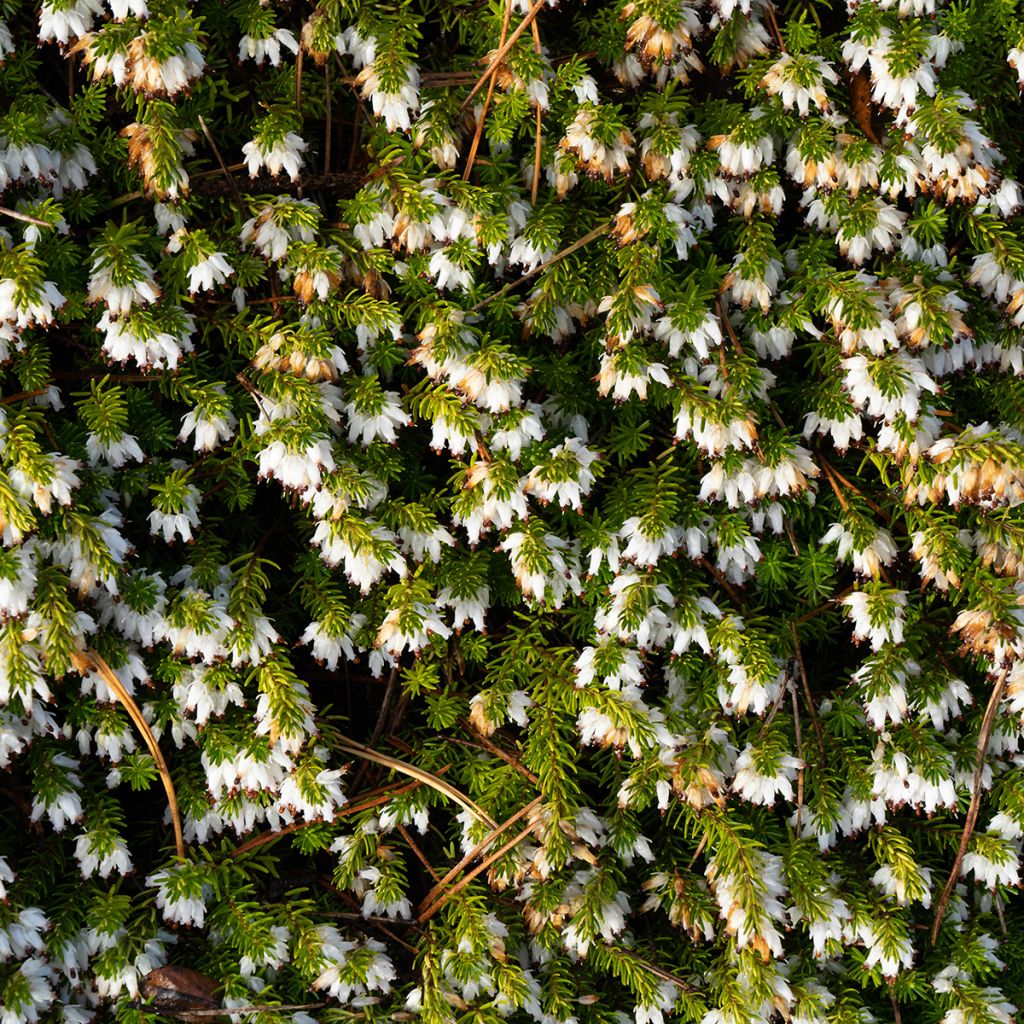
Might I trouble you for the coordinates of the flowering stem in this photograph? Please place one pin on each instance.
(972, 812)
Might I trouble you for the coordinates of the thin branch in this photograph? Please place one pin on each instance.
(540, 128)
(478, 849)
(972, 812)
(403, 768)
(220, 160)
(420, 855)
(489, 745)
(722, 581)
(15, 215)
(800, 756)
(567, 251)
(224, 1011)
(427, 913)
(90, 661)
(808, 697)
(327, 122)
(382, 796)
(478, 134)
(503, 51)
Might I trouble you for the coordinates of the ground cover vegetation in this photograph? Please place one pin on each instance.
(511, 511)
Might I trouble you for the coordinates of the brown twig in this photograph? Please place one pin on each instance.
(428, 912)
(975, 807)
(420, 855)
(89, 661)
(220, 160)
(378, 728)
(820, 736)
(567, 251)
(22, 396)
(478, 133)
(327, 122)
(478, 849)
(775, 26)
(226, 1010)
(722, 581)
(503, 50)
(358, 750)
(536, 156)
(540, 127)
(829, 468)
(491, 747)
(382, 796)
(800, 756)
(835, 486)
(696, 853)
(15, 215)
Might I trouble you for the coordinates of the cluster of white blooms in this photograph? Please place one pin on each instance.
(497, 510)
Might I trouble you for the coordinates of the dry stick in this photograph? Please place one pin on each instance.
(897, 1019)
(358, 750)
(842, 479)
(567, 251)
(346, 898)
(90, 661)
(776, 704)
(420, 856)
(220, 160)
(1000, 915)
(540, 127)
(696, 853)
(429, 912)
(386, 794)
(657, 971)
(722, 581)
(503, 51)
(24, 217)
(478, 849)
(327, 123)
(972, 812)
(478, 133)
(226, 1010)
(800, 755)
(298, 98)
(807, 696)
(775, 27)
(22, 396)
(378, 729)
(489, 745)
(536, 154)
(835, 486)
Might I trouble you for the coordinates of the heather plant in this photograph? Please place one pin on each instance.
(511, 512)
